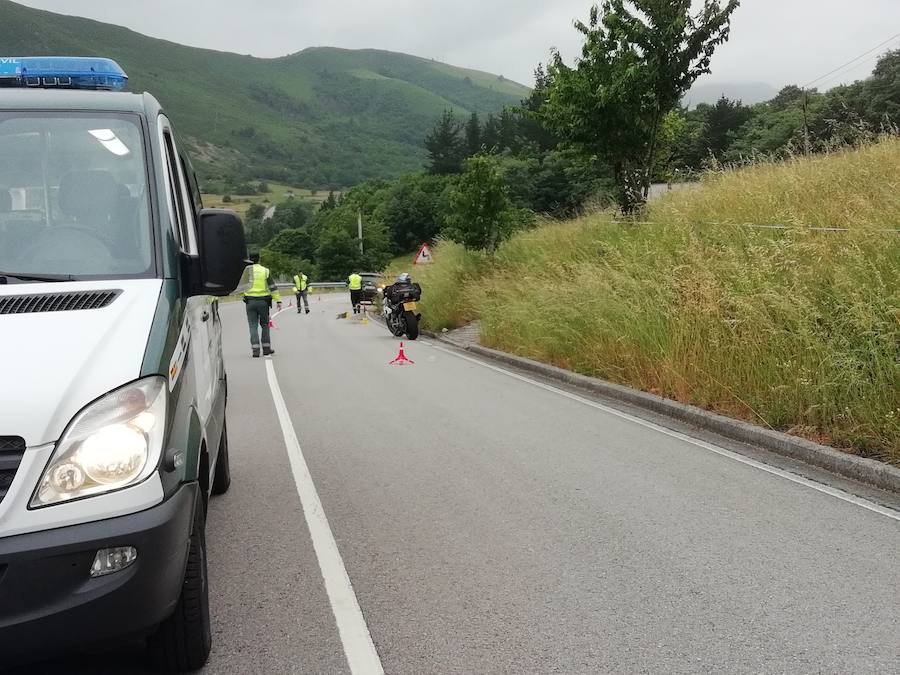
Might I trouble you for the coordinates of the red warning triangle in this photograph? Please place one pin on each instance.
(401, 359)
(423, 257)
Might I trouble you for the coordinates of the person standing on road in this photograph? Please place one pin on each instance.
(301, 288)
(258, 301)
(354, 283)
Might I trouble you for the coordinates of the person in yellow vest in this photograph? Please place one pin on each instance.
(258, 300)
(354, 283)
(301, 288)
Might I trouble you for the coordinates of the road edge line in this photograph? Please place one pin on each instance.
(359, 648)
(837, 493)
(871, 472)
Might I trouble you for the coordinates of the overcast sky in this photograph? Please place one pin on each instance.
(773, 41)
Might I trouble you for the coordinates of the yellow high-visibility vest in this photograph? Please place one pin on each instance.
(354, 282)
(261, 284)
(300, 282)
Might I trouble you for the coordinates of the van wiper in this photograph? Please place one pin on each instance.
(34, 277)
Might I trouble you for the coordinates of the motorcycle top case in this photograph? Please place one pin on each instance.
(406, 293)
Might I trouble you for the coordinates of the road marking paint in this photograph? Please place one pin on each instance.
(781, 473)
(362, 657)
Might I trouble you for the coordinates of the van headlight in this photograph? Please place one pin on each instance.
(113, 443)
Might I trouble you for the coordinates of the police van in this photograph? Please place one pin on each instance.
(112, 384)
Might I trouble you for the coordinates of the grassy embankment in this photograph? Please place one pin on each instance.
(794, 329)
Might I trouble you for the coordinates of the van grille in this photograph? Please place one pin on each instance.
(56, 302)
(12, 448)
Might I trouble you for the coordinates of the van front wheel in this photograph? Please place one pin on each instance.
(182, 642)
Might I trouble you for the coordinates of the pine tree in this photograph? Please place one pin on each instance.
(329, 203)
(445, 148)
(473, 135)
(507, 140)
(531, 131)
(723, 119)
(490, 137)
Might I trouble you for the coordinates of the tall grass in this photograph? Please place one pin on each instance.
(845, 189)
(446, 302)
(795, 329)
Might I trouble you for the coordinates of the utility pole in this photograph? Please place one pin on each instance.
(806, 148)
(359, 224)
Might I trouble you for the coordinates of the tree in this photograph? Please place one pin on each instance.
(473, 135)
(490, 137)
(412, 209)
(507, 133)
(787, 97)
(293, 214)
(531, 129)
(330, 203)
(722, 121)
(337, 254)
(444, 146)
(882, 90)
(282, 265)
(638, 60)
(256, 211)
(482, 215)
(297, 243)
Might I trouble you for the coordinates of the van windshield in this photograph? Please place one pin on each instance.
(73, 196)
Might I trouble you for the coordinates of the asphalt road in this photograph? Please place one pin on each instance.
(491, 525)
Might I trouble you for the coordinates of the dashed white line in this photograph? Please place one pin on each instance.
(362, 657)
(781, 473)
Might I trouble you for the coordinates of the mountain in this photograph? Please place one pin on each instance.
(322, 117)
(748, 92)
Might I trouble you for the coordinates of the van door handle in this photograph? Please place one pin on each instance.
(205, 316)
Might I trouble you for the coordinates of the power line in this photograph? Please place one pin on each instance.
(865, 63)
(851, 62)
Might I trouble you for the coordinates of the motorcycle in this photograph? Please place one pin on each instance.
(400, 312)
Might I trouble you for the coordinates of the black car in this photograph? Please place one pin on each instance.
(371, 281)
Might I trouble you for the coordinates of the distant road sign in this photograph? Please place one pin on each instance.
(423, 257)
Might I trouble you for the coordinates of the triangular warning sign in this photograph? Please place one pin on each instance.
(424, 256)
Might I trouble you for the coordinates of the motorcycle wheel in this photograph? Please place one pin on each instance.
(412, 325)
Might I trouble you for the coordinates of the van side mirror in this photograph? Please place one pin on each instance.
(223, 251)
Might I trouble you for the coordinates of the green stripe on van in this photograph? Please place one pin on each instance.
(165, 330)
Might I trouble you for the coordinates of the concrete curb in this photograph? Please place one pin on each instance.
(869, 471)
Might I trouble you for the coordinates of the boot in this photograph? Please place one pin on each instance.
(255, 352)
(307, 310)
(268, 351)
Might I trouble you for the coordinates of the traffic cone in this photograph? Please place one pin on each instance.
(272, 324)
(401, 359)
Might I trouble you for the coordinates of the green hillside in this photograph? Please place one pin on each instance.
(323, 117)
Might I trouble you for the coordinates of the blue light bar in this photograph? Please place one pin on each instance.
(62, 72)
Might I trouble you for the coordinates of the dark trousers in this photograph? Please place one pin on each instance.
(354, 300)
(258, 318)
(304, 296)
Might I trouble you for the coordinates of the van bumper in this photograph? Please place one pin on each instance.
(50, 603)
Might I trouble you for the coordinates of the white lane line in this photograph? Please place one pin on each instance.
(781, 473)
(362, 657)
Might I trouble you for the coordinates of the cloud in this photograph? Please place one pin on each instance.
(774, 41)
